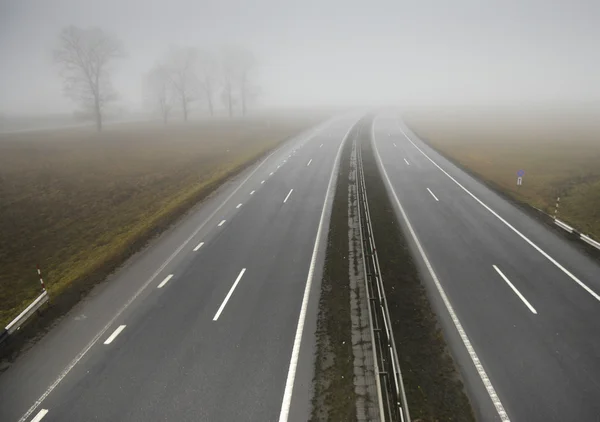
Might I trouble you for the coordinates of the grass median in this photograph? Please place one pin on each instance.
(334, 398)
(558, 150)
(78, 203)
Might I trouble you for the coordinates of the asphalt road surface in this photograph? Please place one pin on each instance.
(520, 304)
(204, 325)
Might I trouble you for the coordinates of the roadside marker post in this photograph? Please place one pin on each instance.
(41, 279)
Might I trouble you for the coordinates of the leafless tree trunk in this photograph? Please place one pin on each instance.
(227, 97)
(228, 69)
(238, 66)
(243, 84)
(208, 71)
(158, 90)
(181, 63)
(84, 55)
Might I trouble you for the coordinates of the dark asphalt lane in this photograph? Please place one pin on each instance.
(173, 361)
(543, 366)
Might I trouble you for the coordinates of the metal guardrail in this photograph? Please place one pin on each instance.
(390, 386)
(589, 241)
(563, 226)
(582, 237)
(16, 323)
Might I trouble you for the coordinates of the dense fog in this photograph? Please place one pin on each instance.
(317, 53)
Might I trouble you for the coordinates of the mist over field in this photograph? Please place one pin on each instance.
(321, 53)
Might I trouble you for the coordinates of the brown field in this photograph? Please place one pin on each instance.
(76, 202)
(559, 151)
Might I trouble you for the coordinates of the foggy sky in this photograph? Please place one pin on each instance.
(336, 52)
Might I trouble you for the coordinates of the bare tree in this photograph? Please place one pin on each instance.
(248, 90)
(181, 63)
(237, 67)
(84, 55)
(208, 75)
(228, 75)
(158, 90)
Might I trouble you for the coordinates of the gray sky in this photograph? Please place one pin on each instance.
(328, 52)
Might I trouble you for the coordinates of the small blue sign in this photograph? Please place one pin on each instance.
(521, 173)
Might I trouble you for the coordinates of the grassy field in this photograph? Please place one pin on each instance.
(78, 203)
(559, 151)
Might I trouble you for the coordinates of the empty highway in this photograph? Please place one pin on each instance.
(215, 319)
(206, 323)
(519, 304)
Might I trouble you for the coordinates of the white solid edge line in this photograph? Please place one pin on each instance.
(518, 293)
(115, 334)
(309, 161)
(291, 376)
(510, 226)
(237, 280)
(288, 195)
(434, 197)
(463, 335)
(138, 292)
(40, 415)
(198, 246)
(406, 161)
(166, 280)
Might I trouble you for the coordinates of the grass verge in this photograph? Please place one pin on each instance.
(79, 203)
(434, 390)
(334, 398)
